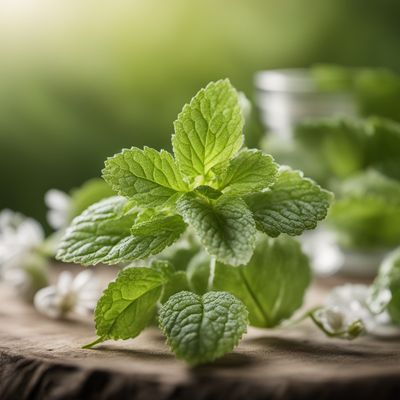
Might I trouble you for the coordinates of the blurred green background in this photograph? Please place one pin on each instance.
(81, 80)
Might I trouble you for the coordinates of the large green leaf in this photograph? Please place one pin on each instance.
(200, 329)
(250, 171)
(103, 234)
(128, 304)
(149, 177)
(292, 205)
(208, 131)
(272, 285)
(225, 227)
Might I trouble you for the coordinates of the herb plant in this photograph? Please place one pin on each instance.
(359, 160)
(362, 164)
(220, 198)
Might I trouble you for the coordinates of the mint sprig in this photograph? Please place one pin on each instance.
(219, 193)
(195, 186)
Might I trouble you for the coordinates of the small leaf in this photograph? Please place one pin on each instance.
(149, 177)
(208, 131)
(172, 223)
(225, 227)
(200, 329)
(249, 171)
(129, 303)
(272, 285)
(292, 205)
(103, 234)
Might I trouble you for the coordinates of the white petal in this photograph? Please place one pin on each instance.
(6, 218)
(351, 300)
(82, 280)
(348, 296)
(382, 327)
(30, 233)
(15, 277)
(64, 283)
(46, 302)
(84, 311)
(88, 299)
(325, 255)
(57, 200)
(57, 219)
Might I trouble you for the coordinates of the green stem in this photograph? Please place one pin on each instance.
(90, 345)
(212, 272)
(302, 317)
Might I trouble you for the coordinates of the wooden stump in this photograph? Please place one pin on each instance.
(42, 359)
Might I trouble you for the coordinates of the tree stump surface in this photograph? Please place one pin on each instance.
(42, 359)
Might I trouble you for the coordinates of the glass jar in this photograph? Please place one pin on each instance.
(287, 96)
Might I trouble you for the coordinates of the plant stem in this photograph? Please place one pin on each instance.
(212, 272)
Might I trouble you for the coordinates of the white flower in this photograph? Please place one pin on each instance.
(69, 295)
(59, 204)
(28, 278)
(19, 236)
(351, 302)
(337, 323)
(325, 255)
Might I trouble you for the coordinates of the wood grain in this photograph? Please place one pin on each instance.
(42, 359)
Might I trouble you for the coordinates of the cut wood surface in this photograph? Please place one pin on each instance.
(42, 359)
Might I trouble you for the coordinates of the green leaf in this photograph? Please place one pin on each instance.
(129, 303)
(200, 329)
(169, 224)
(249, 171)
(225, 227)
(103, 234)
(149, 177)
(208, 131)
(378, 93)
(384, 146)
(345, 146)
(292, 205)
(366, 213)
(272, 285)
(339, 143)
(89, 193)
(386, 287)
